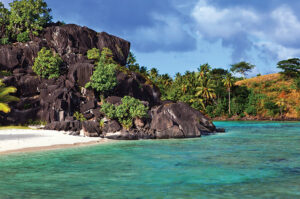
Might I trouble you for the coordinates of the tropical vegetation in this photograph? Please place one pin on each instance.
(129, 109)
(6, 97)
(47, 64)
(103, 78)
(25, 19)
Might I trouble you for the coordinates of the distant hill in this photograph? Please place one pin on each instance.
(279, 90)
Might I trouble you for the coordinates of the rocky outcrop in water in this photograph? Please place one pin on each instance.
(56, 100)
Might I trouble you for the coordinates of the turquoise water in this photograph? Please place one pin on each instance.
(252, 160)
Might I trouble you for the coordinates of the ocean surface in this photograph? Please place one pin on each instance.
(252, 160)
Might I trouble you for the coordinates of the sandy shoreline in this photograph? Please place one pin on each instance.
(26, 140)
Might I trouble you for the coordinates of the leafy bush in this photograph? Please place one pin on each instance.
(93, 53)
(125, 113)
(23, 37)
(251, 107)
(31, 122)
(251, 110)
(210, 111)
(273, 109)
(297, 83)
(104, 77)
(79, 116)
(46, 64)
(5, 73)
(4, 41)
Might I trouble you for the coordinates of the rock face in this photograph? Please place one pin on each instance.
(56, 100)
(178, 120)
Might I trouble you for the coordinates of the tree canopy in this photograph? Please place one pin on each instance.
(242, 68)
(25, 16)
(290, 67)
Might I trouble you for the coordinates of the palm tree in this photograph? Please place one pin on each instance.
(206, 90)
(228, 81)
(5, 97)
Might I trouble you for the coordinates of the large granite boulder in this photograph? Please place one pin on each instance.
(90, 129)
(178, 120)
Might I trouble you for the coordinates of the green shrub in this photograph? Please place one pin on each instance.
(104, 77)
(5, 73)
(31, 122)
(125, 113)
(4, 41)
(101, 123)
(47, 65)
(23, 37)
(251, 110)
(272, 108)
(297, 83)
(210, 111)
(93, 53)
(79, 116)
(251, 107)
(109, 110)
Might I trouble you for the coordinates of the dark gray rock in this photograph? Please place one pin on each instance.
(91, 129)
(111, 127)
(178, 120)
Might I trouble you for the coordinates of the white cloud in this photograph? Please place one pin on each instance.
(277, 31)
(225, 23)
(288, 26)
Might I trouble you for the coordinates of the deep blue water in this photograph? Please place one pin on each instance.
(252, 160)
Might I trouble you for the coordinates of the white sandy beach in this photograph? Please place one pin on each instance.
(21, 140)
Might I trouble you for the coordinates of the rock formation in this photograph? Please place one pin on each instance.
(56, 100)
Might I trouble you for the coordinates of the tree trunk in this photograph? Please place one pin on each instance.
(229, 110)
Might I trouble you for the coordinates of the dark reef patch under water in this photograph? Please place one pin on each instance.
(252, 160)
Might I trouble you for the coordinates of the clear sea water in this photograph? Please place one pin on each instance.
(252, 160)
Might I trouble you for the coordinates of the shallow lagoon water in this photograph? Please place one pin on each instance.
(252, 160)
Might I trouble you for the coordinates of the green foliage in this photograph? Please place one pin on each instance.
(79, 116)
(46, 64)
(28, 16)
(297, 83)
(109, 110)
(5, 73)
(31, 122)
(94, 53)
(272, 108)
(23, 37)
(104, 77)
(125, 113)
(290, 67)
(251, 108)
(101, 123)
(5, 97)
(242, 68)
(4, 20)
(4, 41)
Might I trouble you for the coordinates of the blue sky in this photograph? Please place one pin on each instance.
(179, 35)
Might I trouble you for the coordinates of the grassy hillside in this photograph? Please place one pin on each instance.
(283, 92)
